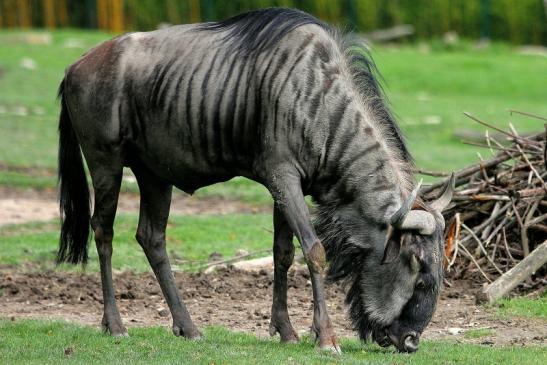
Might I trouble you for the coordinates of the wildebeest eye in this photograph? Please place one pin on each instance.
(420, 284)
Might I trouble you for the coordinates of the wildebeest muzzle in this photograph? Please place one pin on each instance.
(405, 340)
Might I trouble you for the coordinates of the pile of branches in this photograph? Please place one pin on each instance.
(498, 215)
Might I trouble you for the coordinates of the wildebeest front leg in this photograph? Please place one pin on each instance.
(154, 211)
(283, 250)
(286, 190)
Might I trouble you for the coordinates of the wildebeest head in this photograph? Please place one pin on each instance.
(394, 272)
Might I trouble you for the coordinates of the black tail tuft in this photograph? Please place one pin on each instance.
(73, 192)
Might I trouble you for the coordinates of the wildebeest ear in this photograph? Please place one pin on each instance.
(392, 247)
(417, 250)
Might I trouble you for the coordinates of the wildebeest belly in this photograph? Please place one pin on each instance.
(178, 150)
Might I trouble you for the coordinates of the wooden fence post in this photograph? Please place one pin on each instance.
(102, 14)
(116, 16)
(61, 12)
(23, 7)
(49, 13)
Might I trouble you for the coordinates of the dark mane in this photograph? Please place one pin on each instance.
(346, 260)
(258, 30)
(368, 80)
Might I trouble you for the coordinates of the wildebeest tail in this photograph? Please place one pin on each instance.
(73, 192)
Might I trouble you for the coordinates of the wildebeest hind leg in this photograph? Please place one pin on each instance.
(106, 183)
(154, 211)
(283, 250)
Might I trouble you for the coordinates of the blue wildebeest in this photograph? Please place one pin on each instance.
(275, 96)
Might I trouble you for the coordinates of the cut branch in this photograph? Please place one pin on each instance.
(502, 205)
(522, 271)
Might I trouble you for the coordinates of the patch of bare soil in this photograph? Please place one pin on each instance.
(26, 206)
(22, 206)
(238, 300)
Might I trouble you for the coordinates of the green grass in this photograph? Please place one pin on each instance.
(239, 188)
(24, 180)
(525, 307)
(29, 140)
(53, 342)
(428, 84)
(479, 333)
(189, 238)
(439, 85)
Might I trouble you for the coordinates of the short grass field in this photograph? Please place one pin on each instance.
(191, 240)
(37, 342)
(429, 87)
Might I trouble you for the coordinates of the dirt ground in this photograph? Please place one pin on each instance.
(238, 300)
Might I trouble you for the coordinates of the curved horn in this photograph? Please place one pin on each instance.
(399, 216)
(442, 202)
(419, 220)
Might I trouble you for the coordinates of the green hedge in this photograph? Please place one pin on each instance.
(515, 21)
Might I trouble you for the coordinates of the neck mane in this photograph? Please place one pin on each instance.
(365, 157)
(367, 170)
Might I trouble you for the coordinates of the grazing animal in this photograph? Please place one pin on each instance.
(276, 96)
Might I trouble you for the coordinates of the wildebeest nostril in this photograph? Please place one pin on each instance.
(381, 337)
(384, 341)
(410, 343)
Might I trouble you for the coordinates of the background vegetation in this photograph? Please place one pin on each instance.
(522, 21)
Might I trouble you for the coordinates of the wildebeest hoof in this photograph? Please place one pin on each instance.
(116, 332)
(272, 330)
(331, 347)
(113, 328)
(193, 334)
(286, 333)
(290, 340)
(326, 342)
(313, 334)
